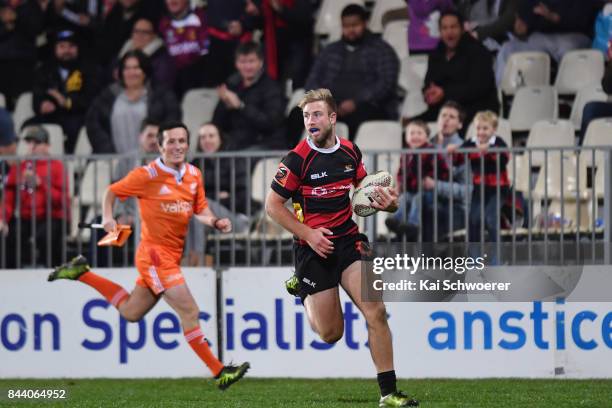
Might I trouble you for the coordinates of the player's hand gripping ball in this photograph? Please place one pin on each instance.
(363, 197)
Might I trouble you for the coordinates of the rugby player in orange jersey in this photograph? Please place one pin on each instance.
(169, 192)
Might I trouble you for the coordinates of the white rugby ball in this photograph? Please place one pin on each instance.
(362, 197)
(380, 178)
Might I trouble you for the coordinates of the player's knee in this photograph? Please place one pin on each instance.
(376, 314)
(332, 335)
(190, 316)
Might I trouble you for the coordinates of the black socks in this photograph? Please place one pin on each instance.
(386, 382)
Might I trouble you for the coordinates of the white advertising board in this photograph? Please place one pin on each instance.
(265, 326)
(66, 329)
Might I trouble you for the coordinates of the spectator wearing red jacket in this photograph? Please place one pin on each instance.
(40, 188)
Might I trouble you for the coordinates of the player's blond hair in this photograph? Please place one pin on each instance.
(488, 117)
(316, 95)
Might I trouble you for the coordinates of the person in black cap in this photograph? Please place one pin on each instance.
(38, 182)
(64, 88)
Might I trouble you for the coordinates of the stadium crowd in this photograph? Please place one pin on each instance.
(116, 67)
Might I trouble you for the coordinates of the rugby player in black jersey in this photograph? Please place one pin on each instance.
(317, 175)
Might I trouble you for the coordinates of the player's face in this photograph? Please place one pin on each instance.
(209, 139)
(133, 75)
(450, 31)
(484, 131)
(319, 123)
(175, 146)
(353, 28)
(148, 139)
(448, 121)
(415, 136)
(248, 66)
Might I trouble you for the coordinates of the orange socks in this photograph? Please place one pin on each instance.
(198, 343)
(113, 293)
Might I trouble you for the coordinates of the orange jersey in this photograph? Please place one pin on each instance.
(167, 199)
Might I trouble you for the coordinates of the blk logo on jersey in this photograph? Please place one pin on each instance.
(317, 176)
(281, 175)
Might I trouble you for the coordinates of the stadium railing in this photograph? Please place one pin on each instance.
(558, 209)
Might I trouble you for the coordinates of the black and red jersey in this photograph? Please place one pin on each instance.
(319, 181)
(490, 178)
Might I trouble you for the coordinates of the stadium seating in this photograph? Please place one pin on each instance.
(530, 68)
(413, 104)
(295, 98)
(328, 20)
(411, 77)
(530, 104)
(83, 147)
(380, 8)
(549, 133)
(592, 92)
(198, 107)
(579, 68)
(56, 141)
(396, 34)
(23, 109)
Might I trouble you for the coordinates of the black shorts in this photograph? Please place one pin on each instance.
(317, 274)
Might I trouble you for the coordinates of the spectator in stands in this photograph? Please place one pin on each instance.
(461, 70)
(8, 145)
(144, 39)
(251, 105)
(36, 185)
(414, 169)
(487, 183)
(20, 23)
(554, 27)
(228, 25)
(117, 26)
(113, 121)
(64, 88)
(185, 33)
(423, 31)
(80, 16)
(450, 123)
(227, 199)
(489, 21)
(361, 70)
(126, 211)
(288, 35)
(594, 110)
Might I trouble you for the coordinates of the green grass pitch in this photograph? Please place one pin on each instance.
(255, 393)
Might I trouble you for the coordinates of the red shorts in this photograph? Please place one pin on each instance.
(158, 267)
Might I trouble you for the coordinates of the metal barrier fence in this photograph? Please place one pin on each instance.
(557, 204)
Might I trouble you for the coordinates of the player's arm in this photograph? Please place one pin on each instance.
(207, 217)
(275, 208)
(108, 221)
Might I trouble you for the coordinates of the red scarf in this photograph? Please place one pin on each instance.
(272, 21)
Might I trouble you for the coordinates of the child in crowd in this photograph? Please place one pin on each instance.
(486, 177)
(410, 177)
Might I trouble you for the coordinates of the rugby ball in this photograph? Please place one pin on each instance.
(363, 195)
